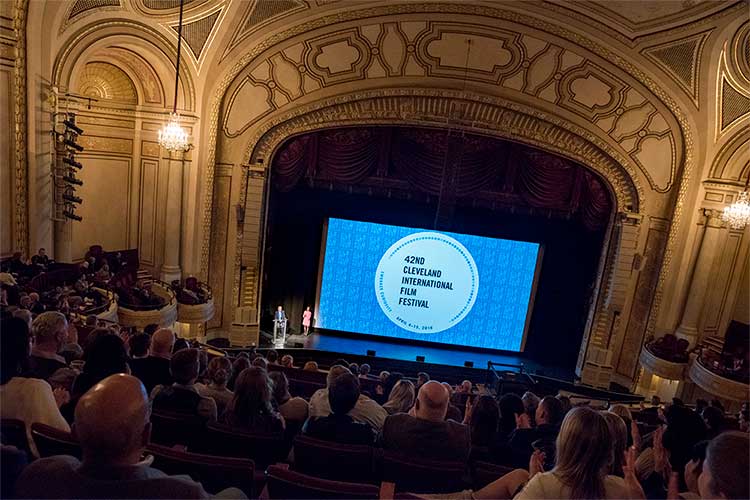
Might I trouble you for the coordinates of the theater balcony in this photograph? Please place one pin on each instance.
(195, 307)
(710, 373)
(161, 309)
(107, 310)
(667, 359)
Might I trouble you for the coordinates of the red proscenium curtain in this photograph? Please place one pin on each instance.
(423, 157)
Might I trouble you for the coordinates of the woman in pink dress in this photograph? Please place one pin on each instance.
(306, 317)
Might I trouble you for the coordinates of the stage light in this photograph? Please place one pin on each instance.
(370, 352)
(70, 123)
(72, 162)
(469, 364)
(72, 144)
(71, 179)
(71, 215)
(420, 359)
(72, 199)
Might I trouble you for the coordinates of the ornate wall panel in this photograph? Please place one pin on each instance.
(257, 14)
(7, 124)
(681, 59)
(511, 62)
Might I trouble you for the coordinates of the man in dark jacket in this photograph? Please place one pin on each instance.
(339, 426)
(525, 439)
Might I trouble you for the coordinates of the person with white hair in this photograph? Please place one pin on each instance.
(365, 410)
(50, 331)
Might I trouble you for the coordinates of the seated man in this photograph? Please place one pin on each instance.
(427, 434)
(182, 396)
(343, 393)
(112, 425)
(154, 368)
(365, 410)
(50, 331)
(524, 439)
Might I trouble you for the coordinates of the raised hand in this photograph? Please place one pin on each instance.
(635, 490)
(62, 396)
(536, 463)
(673, 490)
(523, 421)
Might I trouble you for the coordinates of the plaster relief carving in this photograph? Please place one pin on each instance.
(591, 92)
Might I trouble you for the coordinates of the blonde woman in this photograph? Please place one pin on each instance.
(634, 435)
(402, 397)
(584, 459)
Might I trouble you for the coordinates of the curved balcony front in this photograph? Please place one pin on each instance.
(716, 384)
(141, 315)
(195, 313)
(661, 367)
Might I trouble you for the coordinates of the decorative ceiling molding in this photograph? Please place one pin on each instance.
(82, 8)
(740, 52)
(153, 90)
(106, 81)
(733, 98)
(198, 32)
(681, 59)
(165, 4)
(260, 13)
(634, 19)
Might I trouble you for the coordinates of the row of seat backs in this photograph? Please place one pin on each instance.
(214, 472)
(315, 459)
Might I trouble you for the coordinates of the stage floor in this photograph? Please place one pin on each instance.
(437, 355)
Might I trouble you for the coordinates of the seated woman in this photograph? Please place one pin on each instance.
(105, 356)
(251, 410)
(584, 460)
(291, 408)
(217, 375)
(30, 400)
(401, 399)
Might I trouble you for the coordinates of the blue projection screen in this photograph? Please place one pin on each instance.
(431, 286)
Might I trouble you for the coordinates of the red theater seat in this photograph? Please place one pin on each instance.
(423, 476)
(13, 432)
(225, 441)
(282, 483)
(335, 461)
(50, 441)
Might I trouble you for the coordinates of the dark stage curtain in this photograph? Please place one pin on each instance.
(433, 160)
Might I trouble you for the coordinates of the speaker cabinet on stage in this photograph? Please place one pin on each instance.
(468, 364)
(420, 359)
(370, 352)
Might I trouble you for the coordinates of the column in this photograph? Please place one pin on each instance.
(63, 240)
(701, 280)
(170, 269)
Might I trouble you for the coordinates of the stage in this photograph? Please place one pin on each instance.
(358, 344)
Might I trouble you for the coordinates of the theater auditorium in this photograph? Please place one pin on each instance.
(375, 249)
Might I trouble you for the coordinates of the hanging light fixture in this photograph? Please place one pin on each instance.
(737, 215)
(172, 136)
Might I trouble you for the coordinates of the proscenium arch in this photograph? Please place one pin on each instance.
(505, 123)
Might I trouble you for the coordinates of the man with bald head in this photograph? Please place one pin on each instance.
(112, 425)
(427, 434)
(153, 370)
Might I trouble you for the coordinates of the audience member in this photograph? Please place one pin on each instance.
(260, 362)
(634, 434)
(583, 460)
(384, 376)
(139, 345)
(684, 430)
(483, 418)
(50, 331)
(619, 438)
(453, 413)
(311, 366)
(693, 470)
(339, 426)
(427, 433)
(287, 361)
(180, 344)
(726, 467)
(566, 404)
(217, 375)
(182, 396)
(154, 370)
(272, 356)
(422, 379)
(238, 366)
(150, 329)
(354, 368)
(251, 409)
(112, 425)
(365, 410)
(525, 438)
(364, 370)
(25, 315)
(105, 357)
(530, 404)
(402, 397)
(30, 400)
(713, 417)
(293, 409)
(465, 387)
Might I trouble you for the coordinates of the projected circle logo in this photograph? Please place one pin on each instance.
(426, 282)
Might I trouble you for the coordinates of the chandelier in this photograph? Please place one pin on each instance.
(737, 215)
(172, 136)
